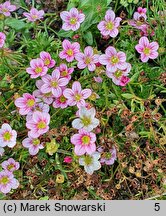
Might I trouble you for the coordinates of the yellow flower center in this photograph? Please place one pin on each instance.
(36, 141)
(146, 51)
(9, 167)
(46, 61)
(118, 73)
(73, 21)
(69, 52)
(7, 136)
(62, 99)
(5, 10)
(64, 73)
(34, 16)
(86, 121)
(77, 97)
(54, 84)
(114, 60)
(109, 25)
(48, 94)
(88, 159)
(38, 70)
(87, 60)
(4, 180)
(41, 125)
(85, 140)
(30, 102)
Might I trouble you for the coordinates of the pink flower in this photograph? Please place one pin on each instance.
(6, 8)
(113, 60)
(108, 157)
(124, 80)
(118, 75)
(34, 15)
(7, 182)
(38, 125)
(69, 50)
(72, 19)
(146, 49)
(41, 107)
(76, 96)
(53, 83)
(98, 79)
(87, 59)
(60, 102)
(110, 25)
(141, 12)
(48, 61)
(2, 39)
(41, 97)
(10, 165)
(65, 71)
(37, 68)
(84, 142)
(25, 103)
(68, 159)
(7, 136)
(33, 144)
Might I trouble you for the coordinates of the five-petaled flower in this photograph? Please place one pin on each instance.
(34, 14)
(86, 119)
(33, 145)
(69, 50)
(146, 49)
(37, 68)
(38, 125)
(11, 165)
(72, 19)
(113, 60)
(84, 142)
(7, 136)
(6, 8)
(48, 61)
(53, 83)
(110, 25)
(7, 181)
(25, 103)
(87, 59)
(76, 96)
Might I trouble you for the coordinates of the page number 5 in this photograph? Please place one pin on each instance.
(157, 207)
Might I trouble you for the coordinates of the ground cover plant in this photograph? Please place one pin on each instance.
(82, 99)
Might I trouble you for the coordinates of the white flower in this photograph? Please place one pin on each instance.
(90, 162)
(86, 119)
(7, 136)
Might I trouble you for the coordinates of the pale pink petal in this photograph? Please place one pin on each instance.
(144, 58)
(114, 32)
(65, 16)
(110, 15)
(76, 87)
(153, 55)
(86, 93)
(144, 41)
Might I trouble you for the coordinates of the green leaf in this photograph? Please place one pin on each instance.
(134, 77)
(44, 198)
(88, 37)
(15, 23)
(127, 95)
(65, 34)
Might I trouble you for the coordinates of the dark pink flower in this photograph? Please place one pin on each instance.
(68, 159)
(48, 61)
(65, 72)
(69, 50)
(37, 68)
